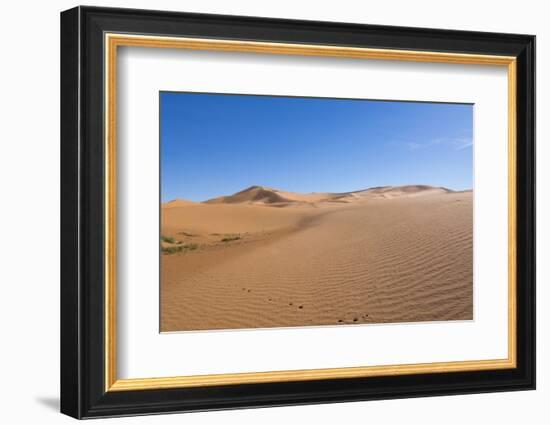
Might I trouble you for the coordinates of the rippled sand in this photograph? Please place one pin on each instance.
(399, 255)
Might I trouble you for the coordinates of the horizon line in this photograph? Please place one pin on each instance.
(254, 186)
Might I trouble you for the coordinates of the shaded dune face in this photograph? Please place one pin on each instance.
(393, 254)
(256, 194)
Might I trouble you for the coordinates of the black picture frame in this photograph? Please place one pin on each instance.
(83, 392)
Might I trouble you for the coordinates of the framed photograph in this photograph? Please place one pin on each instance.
(261, 212)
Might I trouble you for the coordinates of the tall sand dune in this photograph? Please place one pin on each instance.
(391, 254)
(253, 194)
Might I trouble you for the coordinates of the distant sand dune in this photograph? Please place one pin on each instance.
(254, 194)
(177, 203)
(268, 196)
(392, 254)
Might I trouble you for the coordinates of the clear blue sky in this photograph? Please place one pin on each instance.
(214, 145)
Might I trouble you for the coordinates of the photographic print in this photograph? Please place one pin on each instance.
(299, 195)
(294, 211)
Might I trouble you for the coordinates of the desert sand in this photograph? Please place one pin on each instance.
(268, 258)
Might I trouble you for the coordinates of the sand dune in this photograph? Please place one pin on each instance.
(262, 195)
(175, 203)
(254, 194)
(269, 258)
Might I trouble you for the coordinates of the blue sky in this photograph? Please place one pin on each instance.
(214, 145)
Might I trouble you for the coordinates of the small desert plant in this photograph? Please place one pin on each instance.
(171, 249)
(179, 248)
(230, 238)
(168, 239)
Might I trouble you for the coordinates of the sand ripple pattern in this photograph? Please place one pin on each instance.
(382, 260)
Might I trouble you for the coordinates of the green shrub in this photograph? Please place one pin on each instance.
(168, 239)
(171, 249)
(179, 248)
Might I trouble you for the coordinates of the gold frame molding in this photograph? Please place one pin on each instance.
(112, 41)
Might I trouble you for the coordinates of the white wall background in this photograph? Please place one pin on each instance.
(29, 224)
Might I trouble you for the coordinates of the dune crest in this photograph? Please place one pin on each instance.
(262, 195)
(253, 194)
